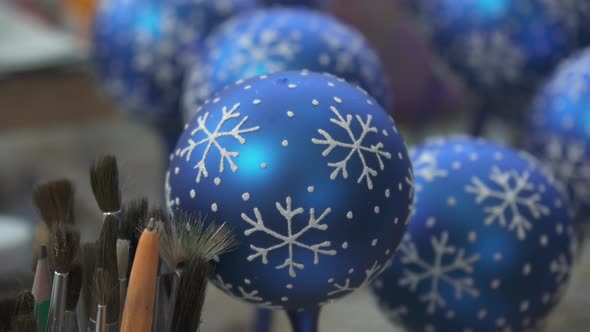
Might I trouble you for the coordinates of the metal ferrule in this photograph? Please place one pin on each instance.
(101, 319)
(115, 213)
(55, 321)
(70, 321)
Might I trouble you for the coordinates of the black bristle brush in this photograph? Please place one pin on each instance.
(65, 240)
(24, 318)
(184, 243)
(72, 297)
(106, 259)
(54, 201)
(88, 267)
(104, 295)
(104, 180)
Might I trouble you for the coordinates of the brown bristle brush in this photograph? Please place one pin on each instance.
(104, 295)
(139, 305)
(187, 244)
(65, 240)
(24, 318)
(106, 259)
(72, 296)
(104, 180)
(88, 267)
(54, 201)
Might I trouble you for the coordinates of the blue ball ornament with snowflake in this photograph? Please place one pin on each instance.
(489, 244)
(559, 130)
(312, 175)
(141, 49)
(272, 40)
(503, 46)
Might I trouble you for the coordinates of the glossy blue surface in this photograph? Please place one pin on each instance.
(141, 49)
(559, 130)
(274, 40)
(489, 246)
(312, 175)
(502, 46)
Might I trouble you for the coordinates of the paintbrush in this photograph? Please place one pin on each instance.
(54, 201)
(72, 296)
(135, 213)
(104, 180)
(7, 309)
(42, 289)
(89, 266)
(106, 259)
(24, 317)
(65, 239)
(122, 267)
(187, 240)
(104, 295)
(161, 304)
(139, 305)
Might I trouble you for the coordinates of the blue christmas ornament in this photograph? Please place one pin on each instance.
(311, 174)
(489, 243)
(273, 40)
(503, 46)
(559, 130)
(141, 49)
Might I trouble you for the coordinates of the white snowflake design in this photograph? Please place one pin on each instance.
(573, 79)
(242, 294)
(426, 167)
(437, 272)
(356, 147)
(493, 57)
(291, 240)
(370, 274)
(211, 140)
(560, 268)
(568, 162)
(514, 194)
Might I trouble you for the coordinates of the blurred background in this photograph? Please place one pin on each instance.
(54, 121)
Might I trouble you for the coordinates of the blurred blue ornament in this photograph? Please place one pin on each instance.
(311, 174)
(273, 40)
(306, 3)
(489, 244)
(503, 46)
(559, 130)
(141, 49)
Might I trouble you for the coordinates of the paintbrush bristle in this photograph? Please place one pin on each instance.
(106, 294)
(184, 238)
(134, 214)
(106, 259)
(123, 257)
(104, 180)
(191, 296)
(25, 304)
(55, 201)
(89, 266)
(65, 241)
(74, 286)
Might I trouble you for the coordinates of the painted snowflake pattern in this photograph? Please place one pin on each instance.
(567, 160)
(437, 272)
(426, 167)
(243, 294)
(573, 79)
(211, 140)
(560, 268)
(514, 194)
(494, 57)
(370, 274)
(356, 147)
(291, 240)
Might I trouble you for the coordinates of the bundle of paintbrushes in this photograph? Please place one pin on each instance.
(118, 277)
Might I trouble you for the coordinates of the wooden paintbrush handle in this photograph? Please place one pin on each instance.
(139, 305)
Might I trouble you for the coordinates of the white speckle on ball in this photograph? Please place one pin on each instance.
(338, 100)
(247, 87)
(495, 284)
(315, 102)
(544, 240)
(452, 201)
(472, 236)
(290, 114)
(376, 209)
(482, 314)
(500, 321)
(217, 181)
(526, 269)
(285, 143)
(473, 157)
(385, 132)
(400, 156)
(374, 242)
(524, 306)
(177, 201)
(263, 77)
(456, 165)
(263, 165)
(256, 101)
(430, 222)
(310, 189)
(176, 170)
(193, 193)
(292, 86)
(289, 286)
(245, 196)
(284, 299)
(387, 193)
(247, 281)
(350, 271)
(216, 100)
(214, 207)
(331, 280)
(497, 256)
(349, 215)
(330, 84)
(345, 245)
(369, 102)
(559, 229)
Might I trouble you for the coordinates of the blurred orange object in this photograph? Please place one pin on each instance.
(79, 15)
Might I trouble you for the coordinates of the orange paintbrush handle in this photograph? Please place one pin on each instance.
(139, 305)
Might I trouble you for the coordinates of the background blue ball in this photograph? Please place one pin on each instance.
(141, 49)
(559, 130)
(503, 46)
(312, 175)
(488, 247)
(273, 40)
